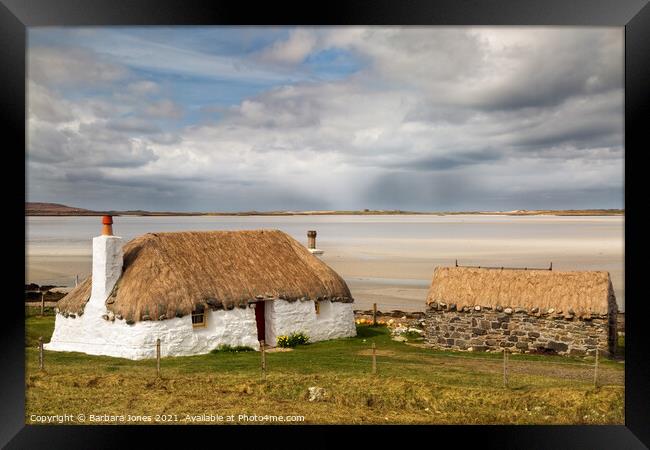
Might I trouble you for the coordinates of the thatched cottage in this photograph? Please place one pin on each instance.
(546, 311)
(197, 290)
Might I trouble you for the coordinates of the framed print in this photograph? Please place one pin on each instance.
(420, 216)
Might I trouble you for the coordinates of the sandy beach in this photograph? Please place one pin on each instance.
(388, 260)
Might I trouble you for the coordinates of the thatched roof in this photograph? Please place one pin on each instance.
(170, 274)
(76, 299)
(582, 292)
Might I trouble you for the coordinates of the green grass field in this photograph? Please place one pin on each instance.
(412, 385)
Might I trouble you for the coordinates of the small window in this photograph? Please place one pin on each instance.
(198, 318)
(317, 306)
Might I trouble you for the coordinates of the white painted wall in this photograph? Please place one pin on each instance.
(94, 335)
(336, 320)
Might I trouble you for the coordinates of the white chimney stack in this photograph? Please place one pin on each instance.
(107, 263)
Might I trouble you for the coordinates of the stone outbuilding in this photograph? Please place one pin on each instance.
(524, 310)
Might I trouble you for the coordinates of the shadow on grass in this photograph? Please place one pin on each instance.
(370, 331)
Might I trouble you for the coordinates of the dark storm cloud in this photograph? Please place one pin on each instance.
(602, 133)
(92, 146)
(132, 125)
(562, 65)
(89, 189)
(425, 111)
(419, 191)
(453, 160)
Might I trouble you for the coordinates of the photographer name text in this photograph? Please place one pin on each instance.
(161, 418)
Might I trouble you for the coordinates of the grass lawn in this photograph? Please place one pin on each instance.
(412, 385)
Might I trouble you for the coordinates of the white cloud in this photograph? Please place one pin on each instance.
(46, 105)
(293, 50)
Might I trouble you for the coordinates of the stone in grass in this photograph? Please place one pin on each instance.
(316, 393)
(557, 346)
(508, 310)
(577, 352)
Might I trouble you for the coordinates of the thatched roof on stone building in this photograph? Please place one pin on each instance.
(582, 292)
(170, 274)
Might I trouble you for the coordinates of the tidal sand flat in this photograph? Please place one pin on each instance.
(388, 260)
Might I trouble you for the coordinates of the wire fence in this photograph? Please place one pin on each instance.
(501, 370)
(59, 281)
(498, 369)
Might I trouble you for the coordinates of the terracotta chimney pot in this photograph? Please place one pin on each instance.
(107, 225)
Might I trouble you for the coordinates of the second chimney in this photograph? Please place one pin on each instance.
(311, 239)
(311, 243)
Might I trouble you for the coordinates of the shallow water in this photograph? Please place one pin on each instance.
(385, 259)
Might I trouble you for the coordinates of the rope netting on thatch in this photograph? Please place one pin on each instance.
(582, 292)
(170, 274)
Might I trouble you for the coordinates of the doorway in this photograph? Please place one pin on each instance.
(259, 319)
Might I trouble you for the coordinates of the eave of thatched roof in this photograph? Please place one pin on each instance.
(170, 274)
(582, 292)
(76, 299)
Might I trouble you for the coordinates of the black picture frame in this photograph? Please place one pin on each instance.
(634, 15)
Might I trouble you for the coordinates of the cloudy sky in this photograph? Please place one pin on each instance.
(243, 118)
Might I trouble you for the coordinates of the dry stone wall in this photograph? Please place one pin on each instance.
(517, 329)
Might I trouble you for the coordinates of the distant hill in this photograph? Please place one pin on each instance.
(56, 209)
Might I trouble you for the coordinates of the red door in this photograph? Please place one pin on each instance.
(259, 318)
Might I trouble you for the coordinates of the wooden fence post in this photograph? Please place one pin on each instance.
(505, 367)
(40, 353)
(596, 369)
(374, 358)
(262, 350)
(158, 357)
(374, 314)
(42, 303)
